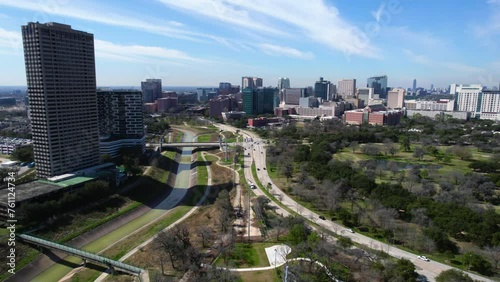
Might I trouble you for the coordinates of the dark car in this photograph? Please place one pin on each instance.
(322, 217)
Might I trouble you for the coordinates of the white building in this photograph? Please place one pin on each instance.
(441, 105)
(484, 104)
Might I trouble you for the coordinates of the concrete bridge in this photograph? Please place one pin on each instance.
(86, 256)
(186, 144)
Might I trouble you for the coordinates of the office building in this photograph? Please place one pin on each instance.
(379, 85)
(259, 101)
(414, 86)
(347, 88)
(250, 82)
(167, 104)
(395, 98)
(60, 73)
(283, 83)
(291, 96)
(323, 89)
(308, 102)
(373, 114)
(221, 104)
(364, 95)
(424, 105)
(225, 88)
(121, 123)
(151, 90)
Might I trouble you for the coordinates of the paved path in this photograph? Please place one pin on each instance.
(429, 269)
(133, 251)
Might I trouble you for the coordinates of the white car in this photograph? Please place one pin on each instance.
(350, 230)
(424, 258)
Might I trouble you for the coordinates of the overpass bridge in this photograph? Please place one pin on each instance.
(187, 144)
(86, 256)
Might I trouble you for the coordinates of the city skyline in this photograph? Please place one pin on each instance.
(195, 44)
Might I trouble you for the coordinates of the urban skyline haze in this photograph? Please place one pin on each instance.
(199, 43)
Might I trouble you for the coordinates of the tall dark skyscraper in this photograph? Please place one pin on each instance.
(60, 73)
(379, 85)
(151, 90)
(414, 85)
(322, 89)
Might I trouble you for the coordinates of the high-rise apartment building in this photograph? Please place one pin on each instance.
(60, 73)
(250, 82)
(121, 123)
(346, 88)
(283, 83)
(395, 98)
(151, 90)
(379, 85)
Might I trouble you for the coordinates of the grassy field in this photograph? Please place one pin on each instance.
(247, 255)
(261, 276)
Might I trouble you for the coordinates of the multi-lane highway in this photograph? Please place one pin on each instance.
(256, 148)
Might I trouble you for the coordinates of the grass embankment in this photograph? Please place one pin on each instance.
(78, 223)
(125, 246)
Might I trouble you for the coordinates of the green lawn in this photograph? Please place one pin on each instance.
(247, 255)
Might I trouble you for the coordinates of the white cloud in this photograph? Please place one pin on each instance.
(312, 19)
(276, 50)
(104, 15)
(422, 39)
(139, 53)
(453, 66)
(4, 16)
(488, 27)
(11, 41)
(378, 13)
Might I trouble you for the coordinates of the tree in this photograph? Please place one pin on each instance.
(493, 252)
(354, 146)
(345, 242)
(462, 153)
(205, 232)
(406, 270)
(23, 154)
(419, 153)
(302, 153)
(404, 142)
(453, 275)
(477, 263)
(288, 170)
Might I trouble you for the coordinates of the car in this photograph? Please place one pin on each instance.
(350, 230)
(424, 258)
(322, 217)
(258, 169)
(261, 152)
(239, 214)
(264, 168)
(22, 164)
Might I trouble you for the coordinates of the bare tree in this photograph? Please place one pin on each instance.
(205, 233)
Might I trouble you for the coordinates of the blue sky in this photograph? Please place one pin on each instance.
(202, 42)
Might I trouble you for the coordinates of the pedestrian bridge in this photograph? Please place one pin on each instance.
(188, 144)
(86, 256)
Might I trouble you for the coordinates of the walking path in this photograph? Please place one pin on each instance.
(133, 251)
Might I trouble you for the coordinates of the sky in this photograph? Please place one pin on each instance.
(204, 42)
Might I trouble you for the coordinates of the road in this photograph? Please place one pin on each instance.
(258, 154)
(121, 228)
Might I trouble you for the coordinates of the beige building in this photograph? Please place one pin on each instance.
(395, 98)
(347, 88)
